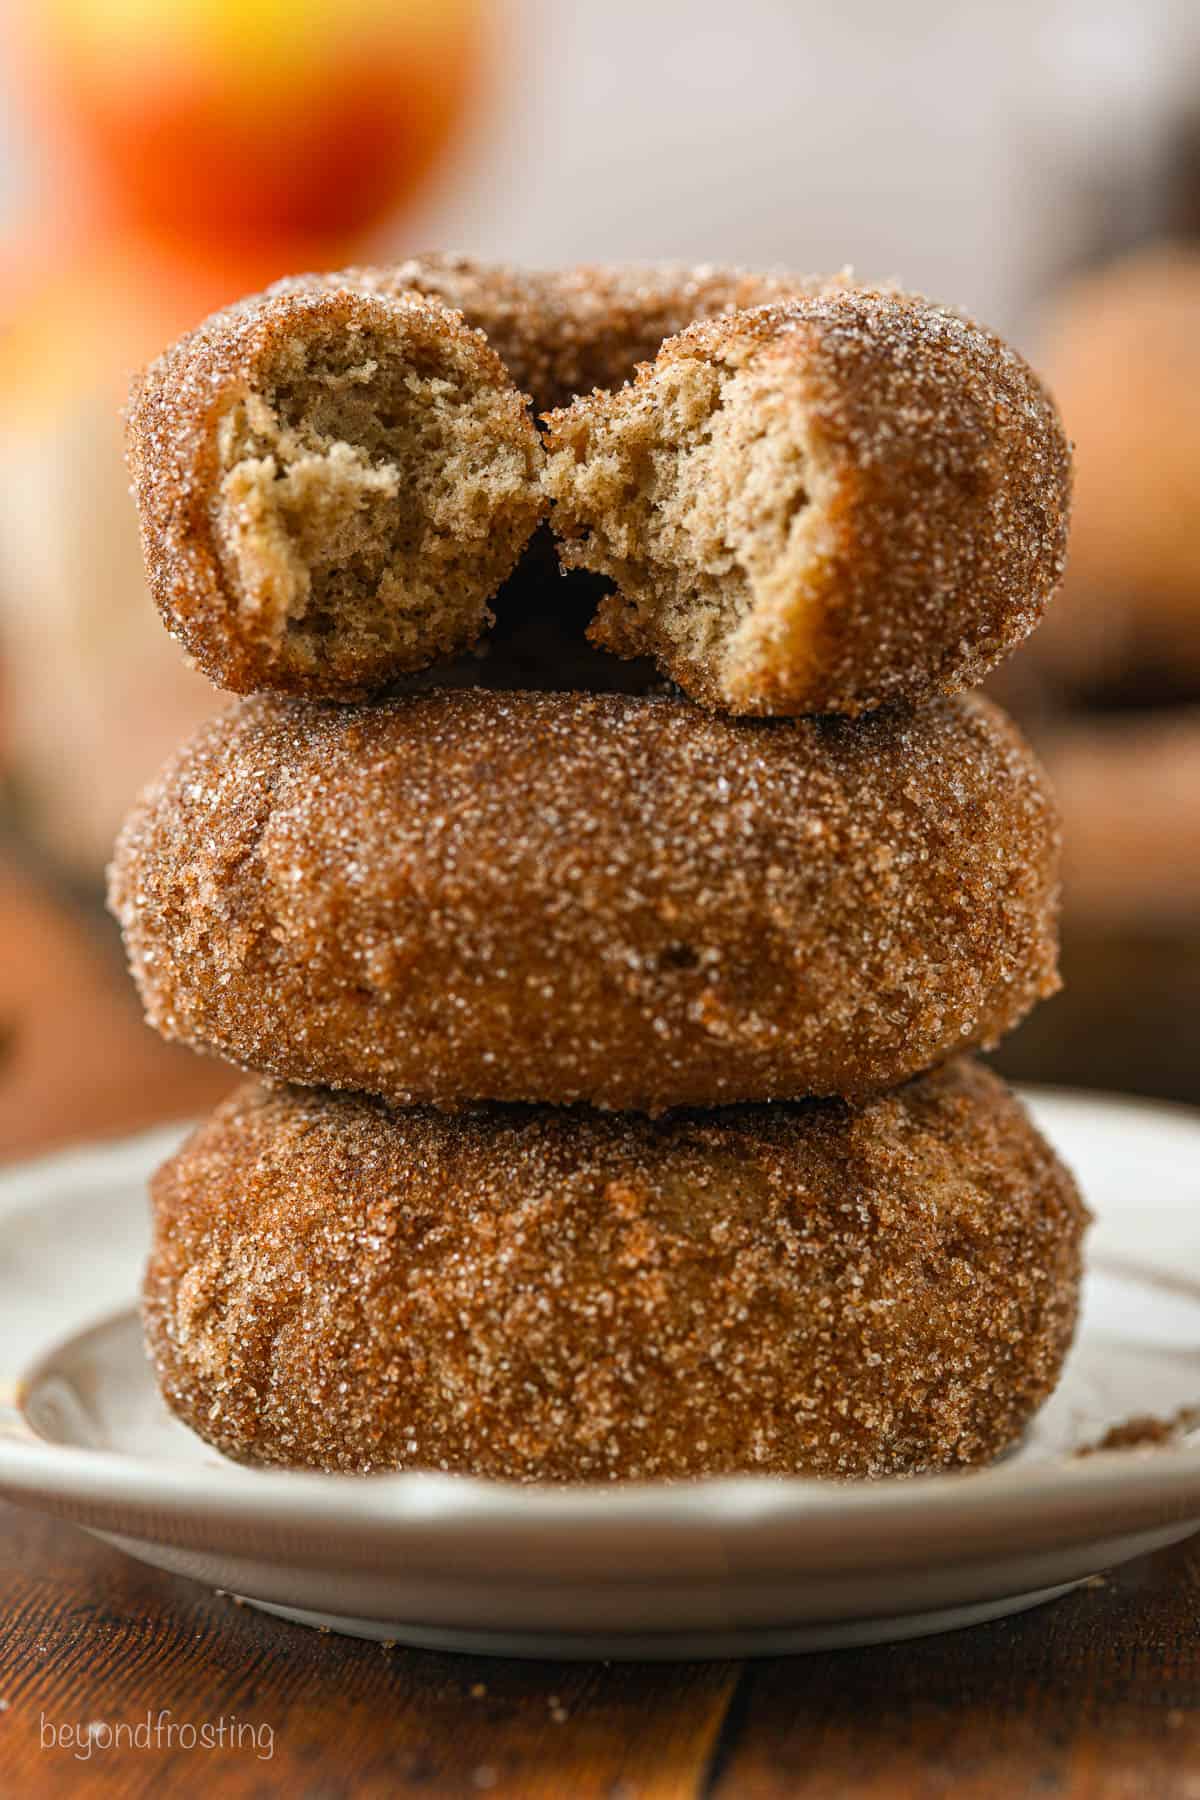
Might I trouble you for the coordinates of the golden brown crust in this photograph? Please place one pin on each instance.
(567, 1296)
(219, 557)
(560, 897)
(929, 497)
(562, 332)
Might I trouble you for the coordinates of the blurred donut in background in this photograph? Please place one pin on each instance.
(1110, 687)
(1121, 353)
(1129, 784)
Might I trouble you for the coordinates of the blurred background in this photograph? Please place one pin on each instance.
(1037, 162)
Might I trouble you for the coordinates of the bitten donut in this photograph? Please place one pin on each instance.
(331, 485)
(562, 332)
(820, 505)
(463, 896)
(564, 1296)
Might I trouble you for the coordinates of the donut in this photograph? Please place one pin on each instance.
(1128, 1020)
(562, 332)
(459, 896)
(1120, 346)
(1126, 784)
(331, 485)
(557, 1295)
(818, 506)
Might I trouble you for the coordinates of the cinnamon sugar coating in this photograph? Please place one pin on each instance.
(464, 896)
(818, 506)
(562, 332)
(562, 1295)
(331, 486)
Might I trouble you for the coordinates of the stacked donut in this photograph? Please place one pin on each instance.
(613, 1113)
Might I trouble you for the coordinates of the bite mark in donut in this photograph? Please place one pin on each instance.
(819, 505)
(332, 485)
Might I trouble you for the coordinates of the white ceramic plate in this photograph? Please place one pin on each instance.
(721, 1567)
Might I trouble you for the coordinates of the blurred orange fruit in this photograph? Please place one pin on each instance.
(238, 123)
(78, 318)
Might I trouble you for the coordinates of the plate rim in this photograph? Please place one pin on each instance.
(1066, 1489)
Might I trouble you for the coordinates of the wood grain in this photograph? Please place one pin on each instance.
(89, 1635)
(1097, 1695)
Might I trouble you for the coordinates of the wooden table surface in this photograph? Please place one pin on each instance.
(1097, 1694)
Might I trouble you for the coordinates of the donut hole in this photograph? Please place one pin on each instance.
(694, 491)
(539, 638)
(378, 482)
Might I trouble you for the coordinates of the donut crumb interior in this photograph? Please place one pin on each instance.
(694, 491)
(370, 483)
